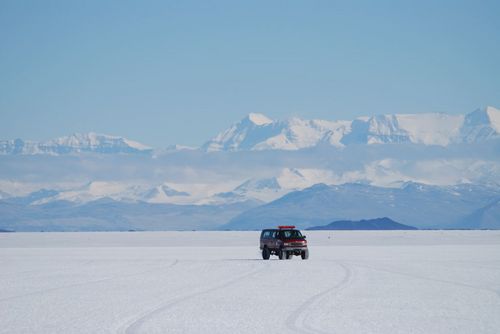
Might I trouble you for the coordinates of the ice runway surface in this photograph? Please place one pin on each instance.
(216, 282)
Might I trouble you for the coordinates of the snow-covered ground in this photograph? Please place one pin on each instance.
(215, 282)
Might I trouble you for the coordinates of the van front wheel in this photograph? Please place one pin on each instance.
(305, 254)
(282, 254)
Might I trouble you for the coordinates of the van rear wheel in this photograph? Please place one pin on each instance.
(266, 253)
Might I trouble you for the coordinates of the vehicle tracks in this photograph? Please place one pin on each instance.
(134, 325)
(437, 280)
(298, 322)
(34, 293)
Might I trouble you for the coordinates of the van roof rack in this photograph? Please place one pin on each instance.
(286, 227)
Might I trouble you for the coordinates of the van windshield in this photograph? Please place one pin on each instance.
(291, 234)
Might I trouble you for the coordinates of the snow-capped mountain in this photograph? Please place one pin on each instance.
(118, 191)
(76, 143)
(271, 184)
(261, 190)
(269, 189)
(427, 129)
(481, 125)
(162, 194)
(258, 132)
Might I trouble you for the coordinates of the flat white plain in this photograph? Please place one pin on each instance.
(216, 282)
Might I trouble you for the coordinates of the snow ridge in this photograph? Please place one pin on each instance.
(291, 134)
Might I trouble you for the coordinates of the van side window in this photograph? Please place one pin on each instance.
(266, 234)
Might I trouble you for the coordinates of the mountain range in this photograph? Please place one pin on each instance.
(424, 170)
(258, 132)
(419, 205)
(414, 204)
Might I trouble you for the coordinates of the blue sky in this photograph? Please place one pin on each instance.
(165, 72)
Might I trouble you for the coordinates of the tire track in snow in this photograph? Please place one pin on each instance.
(469, 263)
(34, 293)
(135, 325)
(437, 280)
(13, 273)
(297, 320)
